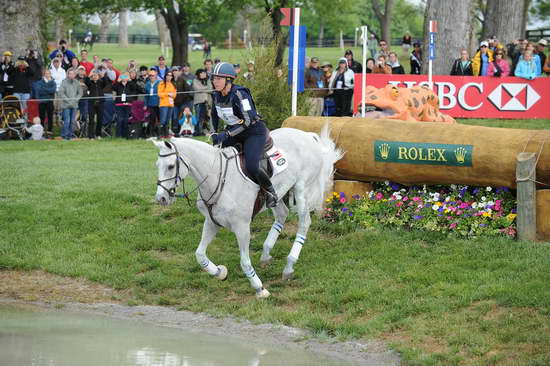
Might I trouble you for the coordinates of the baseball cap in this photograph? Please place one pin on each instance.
(175, 68)
(325, 64)
(543, 42)
(484, 43)
(342, 60)
(250, 62)
(7, 53)
(21, 58)
(315, 59)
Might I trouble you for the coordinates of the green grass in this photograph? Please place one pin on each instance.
(86, 209)
(148, 54)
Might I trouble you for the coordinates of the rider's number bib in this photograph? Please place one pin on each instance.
(227, 115)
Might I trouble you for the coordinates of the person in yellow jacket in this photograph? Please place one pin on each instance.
(167, 95)
(480, 62)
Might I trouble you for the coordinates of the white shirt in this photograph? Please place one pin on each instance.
(36, 130)
(58, 75)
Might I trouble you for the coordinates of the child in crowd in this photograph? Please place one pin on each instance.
(186, 121)
(36, 130)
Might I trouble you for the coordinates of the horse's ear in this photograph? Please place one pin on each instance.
(168, 145)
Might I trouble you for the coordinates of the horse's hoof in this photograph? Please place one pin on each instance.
(287, 276)
(262, 294)
(267, 262)
(222, 274)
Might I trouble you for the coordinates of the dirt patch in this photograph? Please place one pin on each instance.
(42, 286)
(44, 290)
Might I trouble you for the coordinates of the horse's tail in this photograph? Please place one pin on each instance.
(330, 155)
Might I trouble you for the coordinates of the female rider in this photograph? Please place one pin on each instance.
(234, 104)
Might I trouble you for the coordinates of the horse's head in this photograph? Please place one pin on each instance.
(172, 170)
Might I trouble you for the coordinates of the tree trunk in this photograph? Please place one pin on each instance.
(278, 36)
(505, 20)
(123, 28)
(526, 6)
(453, 28)
(59, 29)
(164, 33)
(384, 18)
(106, 20)
(20, 21)
(321, 33)
(177, 24)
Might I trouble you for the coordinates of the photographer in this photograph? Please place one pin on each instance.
(6, 70)
(381, 66)
(35, 64)
(67, 55)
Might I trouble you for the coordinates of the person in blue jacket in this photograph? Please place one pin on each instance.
(526, 67)
(152, 103)
(235, 106)
(45, 93)
(67, 55)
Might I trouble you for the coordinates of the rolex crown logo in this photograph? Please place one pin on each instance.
(460, 155)
(384, 151)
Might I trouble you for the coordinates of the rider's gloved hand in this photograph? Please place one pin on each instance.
(219, 138)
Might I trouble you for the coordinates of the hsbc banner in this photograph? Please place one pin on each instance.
(475, 97)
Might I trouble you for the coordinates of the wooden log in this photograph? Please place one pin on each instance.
(526, 197)
(543, 214)
(430, 153)
(352, 188)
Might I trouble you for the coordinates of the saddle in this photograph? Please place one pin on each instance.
(265, 162)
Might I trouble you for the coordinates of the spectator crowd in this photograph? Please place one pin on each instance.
(90, 95)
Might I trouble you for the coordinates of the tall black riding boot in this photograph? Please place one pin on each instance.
(267, 187)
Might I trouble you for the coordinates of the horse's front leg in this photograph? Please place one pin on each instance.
(280, 212)
(304, 221)
(242, 232)
(209, 231)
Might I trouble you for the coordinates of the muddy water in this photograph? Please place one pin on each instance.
(38, 337)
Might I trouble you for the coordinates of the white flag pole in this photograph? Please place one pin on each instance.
(295, 61)
(431, 49)
(364, 32)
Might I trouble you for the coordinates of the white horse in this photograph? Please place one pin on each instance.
(226, 198)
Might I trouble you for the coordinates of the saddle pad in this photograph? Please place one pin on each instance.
(278, 161)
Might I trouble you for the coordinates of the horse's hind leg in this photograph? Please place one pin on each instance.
(304, 220)
(209, 231)
(280, 212)
(243, 237)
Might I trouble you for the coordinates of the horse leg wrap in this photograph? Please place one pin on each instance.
(209, 267)
(296, 248)
(273, 235)
(255, 281)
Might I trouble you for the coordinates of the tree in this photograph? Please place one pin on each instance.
(21, 25)
(164, 35)
(384, 18)
(541, 9)
(123, 28)
(106, 19)
(454, 27)
(504, 19)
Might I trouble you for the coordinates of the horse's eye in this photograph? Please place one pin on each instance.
(170, 167)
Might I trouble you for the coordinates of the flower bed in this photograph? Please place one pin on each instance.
(456, 210)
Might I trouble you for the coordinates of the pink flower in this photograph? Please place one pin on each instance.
(463, 205)
(398, 204)
(453, 225)
(416, 199)
(459, 212)
(405, 198)
(379, 196)
(342, 200)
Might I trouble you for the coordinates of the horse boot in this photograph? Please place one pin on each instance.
(267, 187)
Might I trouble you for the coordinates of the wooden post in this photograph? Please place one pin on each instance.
(526, 197)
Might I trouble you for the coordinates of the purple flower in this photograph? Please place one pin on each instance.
(482, 225)
(440, 209)
(342, 195)
(462, 192)
(356, 197)
(476, 191)
(514, 211)
(344, 209)
(417, 217)
(350, 214)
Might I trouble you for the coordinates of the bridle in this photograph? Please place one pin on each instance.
(213, 199)
(177, 178)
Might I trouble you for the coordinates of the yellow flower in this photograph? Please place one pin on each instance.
(511, 217)
(439, 204)
(486, 214)
(447, 210)
(328, 200)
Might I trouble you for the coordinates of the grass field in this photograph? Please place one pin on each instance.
(85, 209)
(148, 54)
